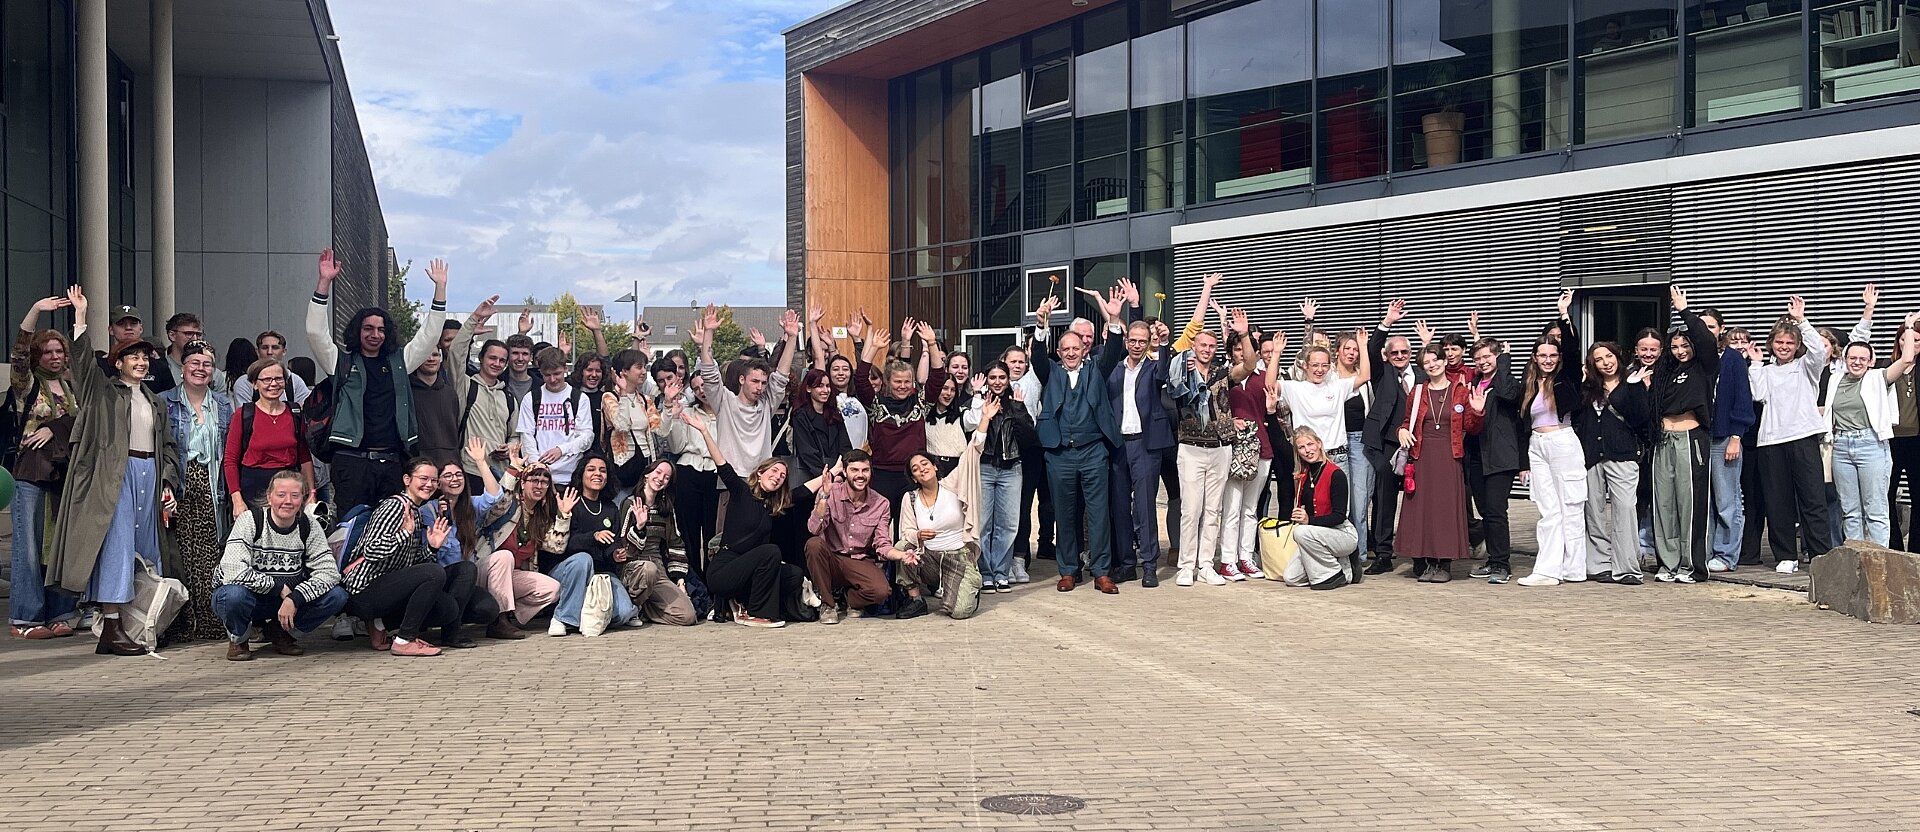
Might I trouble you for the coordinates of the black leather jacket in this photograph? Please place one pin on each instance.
(1009, 435)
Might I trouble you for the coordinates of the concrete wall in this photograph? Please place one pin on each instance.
(254, 171)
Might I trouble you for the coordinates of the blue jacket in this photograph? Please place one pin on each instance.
(1149, 397)
(1732, 399)
(1053, 387)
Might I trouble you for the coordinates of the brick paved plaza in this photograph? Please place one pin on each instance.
(1393, 705)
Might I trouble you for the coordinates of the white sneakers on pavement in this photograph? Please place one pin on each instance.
(1787, 567)
(1538, 580)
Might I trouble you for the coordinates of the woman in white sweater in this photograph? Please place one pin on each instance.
(1861, 411)
(1791, 429)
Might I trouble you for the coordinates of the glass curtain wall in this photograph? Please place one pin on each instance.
(1867, 49)
(1629, 63)
(1477, 81)
(36, 89)
(1748, 58)
(1352, 65)
(1100, 102)
(1250, 78)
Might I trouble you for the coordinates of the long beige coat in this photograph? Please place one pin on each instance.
(98, 465)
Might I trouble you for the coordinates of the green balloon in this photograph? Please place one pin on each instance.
(6, 488)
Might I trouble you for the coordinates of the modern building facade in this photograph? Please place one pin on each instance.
(950, 159)
(183, 155)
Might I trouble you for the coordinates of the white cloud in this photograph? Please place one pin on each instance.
(580, 144)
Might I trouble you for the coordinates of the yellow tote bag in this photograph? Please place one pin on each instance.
(1277, 547)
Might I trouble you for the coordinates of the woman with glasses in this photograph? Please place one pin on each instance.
(264, 437)
(529, 528)
(463, 550)
(199, 415)
(1862, 409)
(391, 576)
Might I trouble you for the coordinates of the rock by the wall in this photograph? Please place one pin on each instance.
(1868, 582)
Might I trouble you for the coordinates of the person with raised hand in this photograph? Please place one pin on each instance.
(745, 419)
(1205, 434)
(526, 535)
(1791, 431)
(1077, 427)
(1009, 441)
(392, 571)
(45, 412)
(489, 411)
(1137, 387)
(1557, 470)
(373, 429)
(747, 572)
(1613, 429)
(1861, 412)
(122, 478)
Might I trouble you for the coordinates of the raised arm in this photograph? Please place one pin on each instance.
(326, 353)
(783, 362)
(1902, 362)
(591, 320)
(426, 339)
(1198, 323)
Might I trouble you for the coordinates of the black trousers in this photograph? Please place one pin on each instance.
(1906, 464)
(1491, 491)
(365, 479)
(1476, 529)
(414, 596)
(756, 578)
(1753, 501)
(1170, 486)
(892, 485)
(696, 509)
(1796, 491)
(475, 603)
(1033, 483)
(1385, 511)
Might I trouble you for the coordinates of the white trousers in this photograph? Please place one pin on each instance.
(1323, 553)
(1558, 482)
(1240, 520)
(1203, 483)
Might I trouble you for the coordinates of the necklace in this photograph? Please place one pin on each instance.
(587, 504)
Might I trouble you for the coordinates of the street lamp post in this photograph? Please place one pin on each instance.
(633, 297)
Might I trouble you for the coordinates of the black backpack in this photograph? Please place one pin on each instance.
(317, 414)
(473, 395)
(13, 420)
(260, 525)
(247, 412)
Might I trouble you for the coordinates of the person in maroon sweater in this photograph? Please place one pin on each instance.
(898, 418)
(273, 443)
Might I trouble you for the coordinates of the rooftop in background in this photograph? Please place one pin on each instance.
(674, 324)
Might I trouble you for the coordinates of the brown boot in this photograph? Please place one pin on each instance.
(114, 640)
(238, 651)
(281, 640)
(504, 627)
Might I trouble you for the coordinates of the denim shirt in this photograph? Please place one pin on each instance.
(180, 421)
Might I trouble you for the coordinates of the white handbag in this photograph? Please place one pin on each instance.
(596, 611)
(156, 602)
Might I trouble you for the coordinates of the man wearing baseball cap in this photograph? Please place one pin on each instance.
(125, 326)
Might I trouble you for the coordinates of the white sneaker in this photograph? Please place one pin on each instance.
(1214, 578)
(1019, 572)
(1538, 580)
(555, 628)
(1684, 577)
(1183, 577)
(807, 595)
(829, 615)
(1718, 565)
(1664, 576)
(1787, 567)
(342, 628)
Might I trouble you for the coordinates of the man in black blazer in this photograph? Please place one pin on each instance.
(1137, 388)
(1392, 392)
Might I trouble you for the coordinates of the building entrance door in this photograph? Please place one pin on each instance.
(1618, 313)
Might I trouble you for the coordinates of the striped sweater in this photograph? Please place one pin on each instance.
(385, 546)
(277, 559)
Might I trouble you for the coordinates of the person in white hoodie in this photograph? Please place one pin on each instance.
(556, 421)
(1861, 412)
(1791, 428)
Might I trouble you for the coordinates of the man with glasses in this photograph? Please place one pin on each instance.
(182, 329)
(1392, 391)
(272, 345)
(1138, 390)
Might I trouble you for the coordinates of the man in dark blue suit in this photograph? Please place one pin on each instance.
(1137, 388)
(1078, 432)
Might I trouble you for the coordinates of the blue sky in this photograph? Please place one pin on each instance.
(579, 145)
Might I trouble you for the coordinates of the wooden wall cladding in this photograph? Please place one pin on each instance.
(846, 196)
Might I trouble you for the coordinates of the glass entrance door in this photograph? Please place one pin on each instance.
(1617, 314)
(983, 346)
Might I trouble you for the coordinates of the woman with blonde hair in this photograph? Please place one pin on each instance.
(1321, 530)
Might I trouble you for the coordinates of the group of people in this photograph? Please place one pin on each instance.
(410, 491)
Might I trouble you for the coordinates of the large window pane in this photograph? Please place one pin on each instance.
(1743, 64)
(1049, 198)
(963, 77)
(1098, 274)
(1477, 80)
(1000, 179)
(1250, 65)
(1102, 190)
(996, 304)
(1153, 270)
(925, 163)
(1263, 157)
(1161, 178)
(1352, 58)
(1629, 60)
(29, 98)
(1868, 49)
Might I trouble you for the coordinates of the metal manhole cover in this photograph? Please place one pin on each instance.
(1033, 804)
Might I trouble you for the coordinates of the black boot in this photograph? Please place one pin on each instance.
(1354, 561)
(114, 640)
(1382, 564)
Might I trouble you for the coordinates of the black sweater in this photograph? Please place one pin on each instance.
(1688, 389)
(1337, 496)
(749, 524)
(586, 523)
(1616, 431)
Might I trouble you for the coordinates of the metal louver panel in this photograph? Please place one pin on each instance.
(1618, 238)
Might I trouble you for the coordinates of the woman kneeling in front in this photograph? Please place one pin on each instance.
(1320, 528)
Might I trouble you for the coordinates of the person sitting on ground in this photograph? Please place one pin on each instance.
(1324, 535)
(748, 564)
(277, 572)
(592, 545)
(462, 551)
(849, 524)
(528, 527)
(392, 573)
(655, 566)
(940, 530)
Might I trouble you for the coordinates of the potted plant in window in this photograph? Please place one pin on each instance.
(1440, 130)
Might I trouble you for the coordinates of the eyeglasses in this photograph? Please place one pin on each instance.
(1399, 352)
(266, 380)
(194, 334)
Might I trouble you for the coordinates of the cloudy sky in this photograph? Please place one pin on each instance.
(579, 144)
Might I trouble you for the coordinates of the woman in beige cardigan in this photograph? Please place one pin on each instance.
(940, 530)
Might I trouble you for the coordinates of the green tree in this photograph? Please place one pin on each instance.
(406, 313)
(729, 340)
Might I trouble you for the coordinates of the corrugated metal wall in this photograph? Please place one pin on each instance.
(1742, 245)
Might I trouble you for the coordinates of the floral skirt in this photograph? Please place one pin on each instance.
(196, 530)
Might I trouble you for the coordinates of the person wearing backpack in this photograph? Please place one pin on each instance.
(488, 409)
(277, 571)
(367, 417)
(556, 421)
(266, 437)
(392, 573)
(40, 413)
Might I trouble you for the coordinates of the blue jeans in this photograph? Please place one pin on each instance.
(1359, 488)
(999, 521)
(240, 608)
(1729, 506)
(1078, 477)
(29, 602)
(1862, 469)
(573, 574)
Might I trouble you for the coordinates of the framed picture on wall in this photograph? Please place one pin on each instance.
(1054, 280)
